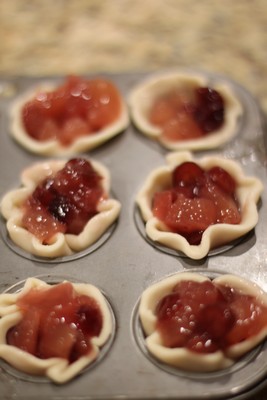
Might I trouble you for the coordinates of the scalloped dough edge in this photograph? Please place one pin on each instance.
(142, 96)
(181, 357)
(53, 147)
(248, 192)
(57, 369)
(61, 244)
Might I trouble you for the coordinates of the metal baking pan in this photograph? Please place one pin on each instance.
(125, 263)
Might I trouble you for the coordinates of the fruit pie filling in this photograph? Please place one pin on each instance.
(56, 322)
(77, 108)
(63, 203)
(197, 199)
(183, 116)
(205, 317)
(195, 323)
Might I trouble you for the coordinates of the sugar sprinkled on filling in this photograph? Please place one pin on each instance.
(196, 200)
(196, 323)
(77, 108)
(184, 116)
(63, 203)
(206, 317)
(56, 322)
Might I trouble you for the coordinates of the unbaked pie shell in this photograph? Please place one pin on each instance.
(181, 357)
(57, 369)
(54, 147)
(248, 193)
(144, 95)
(61, 244)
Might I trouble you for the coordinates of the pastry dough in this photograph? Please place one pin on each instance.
(248, 193)
(143, 96)
(181, 357)
(61, 244)
(53, 147)
(57, 369)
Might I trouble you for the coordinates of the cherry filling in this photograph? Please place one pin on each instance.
(77, 108)
(196, 200)
(63, 203)
(57, 322)
(184, 116)
(206, 317)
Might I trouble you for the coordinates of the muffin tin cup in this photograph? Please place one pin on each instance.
(244, 363)
(74, 256)
(126, 264)
(52, 280)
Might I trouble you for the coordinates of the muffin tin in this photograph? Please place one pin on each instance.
(125, 263)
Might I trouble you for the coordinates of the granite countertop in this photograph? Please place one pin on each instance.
(58, 37)
(83, 36)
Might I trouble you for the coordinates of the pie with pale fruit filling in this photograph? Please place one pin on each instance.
(75, 116)
(194, 323)
(61, 208)
(53, 330)
(184, 111)
(195, 206)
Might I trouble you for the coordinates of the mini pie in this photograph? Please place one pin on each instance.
(184, 357)
(57, 369)
(143, 96)
(248, 192)
(53, 146)
(61, 244)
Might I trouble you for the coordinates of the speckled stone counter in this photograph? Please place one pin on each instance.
(83, 36)
(59, 37)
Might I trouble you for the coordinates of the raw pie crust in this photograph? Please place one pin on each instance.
(61, 244)
(57, 369)
(248, 193)
(143, 96)
(182, 357)
(53, 147)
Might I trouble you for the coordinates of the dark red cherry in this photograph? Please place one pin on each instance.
(187, 174)
(222, 178)
(209, 111)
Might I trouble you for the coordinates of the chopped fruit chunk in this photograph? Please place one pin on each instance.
(196, 200)
(77, 108)
(57, 338)
(226, 205)
(162, 112)
(189, 215)
(37, 220)
(204, 317)
(56, 322)
(25, 334)
(162, 202)
(187, 116)
(175, 320)
(204, 294)
(181, 127)
(65, 202)
(249, 314)
(223, 179)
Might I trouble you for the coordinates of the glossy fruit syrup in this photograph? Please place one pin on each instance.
(77, 108)
(196, 200)
(57, 322)
(65, 202)
(206, 317)
(184, 116)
